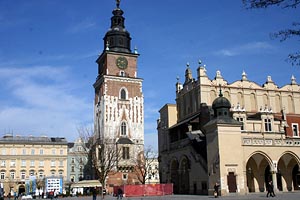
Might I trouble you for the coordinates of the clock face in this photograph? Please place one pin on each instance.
(122, 62)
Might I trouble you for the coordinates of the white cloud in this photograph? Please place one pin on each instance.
(248, 48)
(42, 102)
(82, 26)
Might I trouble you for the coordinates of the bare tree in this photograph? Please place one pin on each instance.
(284, 34)
(143, 164)
(103, 156)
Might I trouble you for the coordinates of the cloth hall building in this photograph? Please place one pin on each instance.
(240, 135)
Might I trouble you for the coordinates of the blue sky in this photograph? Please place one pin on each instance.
(49, 47)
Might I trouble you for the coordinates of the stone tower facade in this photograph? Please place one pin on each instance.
(119, 100)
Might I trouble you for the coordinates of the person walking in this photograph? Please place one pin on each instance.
(94, 192)
(16, 196)
(216, 190)
(270, 189)
(120, 193)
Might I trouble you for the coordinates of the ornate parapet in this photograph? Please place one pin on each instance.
(251, 141)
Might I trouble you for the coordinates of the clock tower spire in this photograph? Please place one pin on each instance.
(119, 101)
(117, 37)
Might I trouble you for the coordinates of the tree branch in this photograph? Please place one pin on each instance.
(252, 4)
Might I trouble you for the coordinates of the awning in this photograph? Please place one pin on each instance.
(86, 183)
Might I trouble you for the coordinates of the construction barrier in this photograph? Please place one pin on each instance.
(145, 190)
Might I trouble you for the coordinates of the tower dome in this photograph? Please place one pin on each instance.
(221, 106)
(117, 37)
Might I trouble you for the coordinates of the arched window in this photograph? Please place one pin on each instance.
(122, 73)
(227, 95)
(123, 94)
(123, 129)
(53, 172)
(41, 174)
(213, 96)
(290, 104)
(266, 100)
(60, 172)
(240, 98)
(253, 102)
(31, 173)
(277, 103)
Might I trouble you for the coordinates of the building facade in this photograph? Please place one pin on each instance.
(240, 135)
(119, 101)
(77, 159)
(26, 162)
(152, 176)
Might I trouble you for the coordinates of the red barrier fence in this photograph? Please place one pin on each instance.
(145, 190)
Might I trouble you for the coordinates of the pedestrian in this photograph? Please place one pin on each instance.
(51, 194)
(216, 190)
(56, 194)
(270, 189)
(120, 193)
(94, 193)
(15, 195)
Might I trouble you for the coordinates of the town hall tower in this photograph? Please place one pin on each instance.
(119, 101)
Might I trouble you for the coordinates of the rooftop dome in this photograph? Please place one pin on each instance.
(221, 106)
(221, 102)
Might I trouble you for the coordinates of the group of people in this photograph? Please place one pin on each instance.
(119, 193)
(53, 194)
(270, 189)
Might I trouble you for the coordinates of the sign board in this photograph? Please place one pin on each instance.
(54, 184)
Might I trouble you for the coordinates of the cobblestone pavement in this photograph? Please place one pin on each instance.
(253, 196)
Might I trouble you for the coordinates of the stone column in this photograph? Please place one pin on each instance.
(274, 177)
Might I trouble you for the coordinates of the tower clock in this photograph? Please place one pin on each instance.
(122, 62)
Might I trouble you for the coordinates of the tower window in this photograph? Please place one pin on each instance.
(125, 176)
(123, 94)
(122, 73)
(125, 153)
(120, 41)
(123, 129)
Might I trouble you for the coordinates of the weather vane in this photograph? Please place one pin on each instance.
(118, 3)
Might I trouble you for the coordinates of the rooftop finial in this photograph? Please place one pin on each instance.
(118, 3)
(107, 46)
(220, 95)
(135, 50)
(293, 79)
(188, 65)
